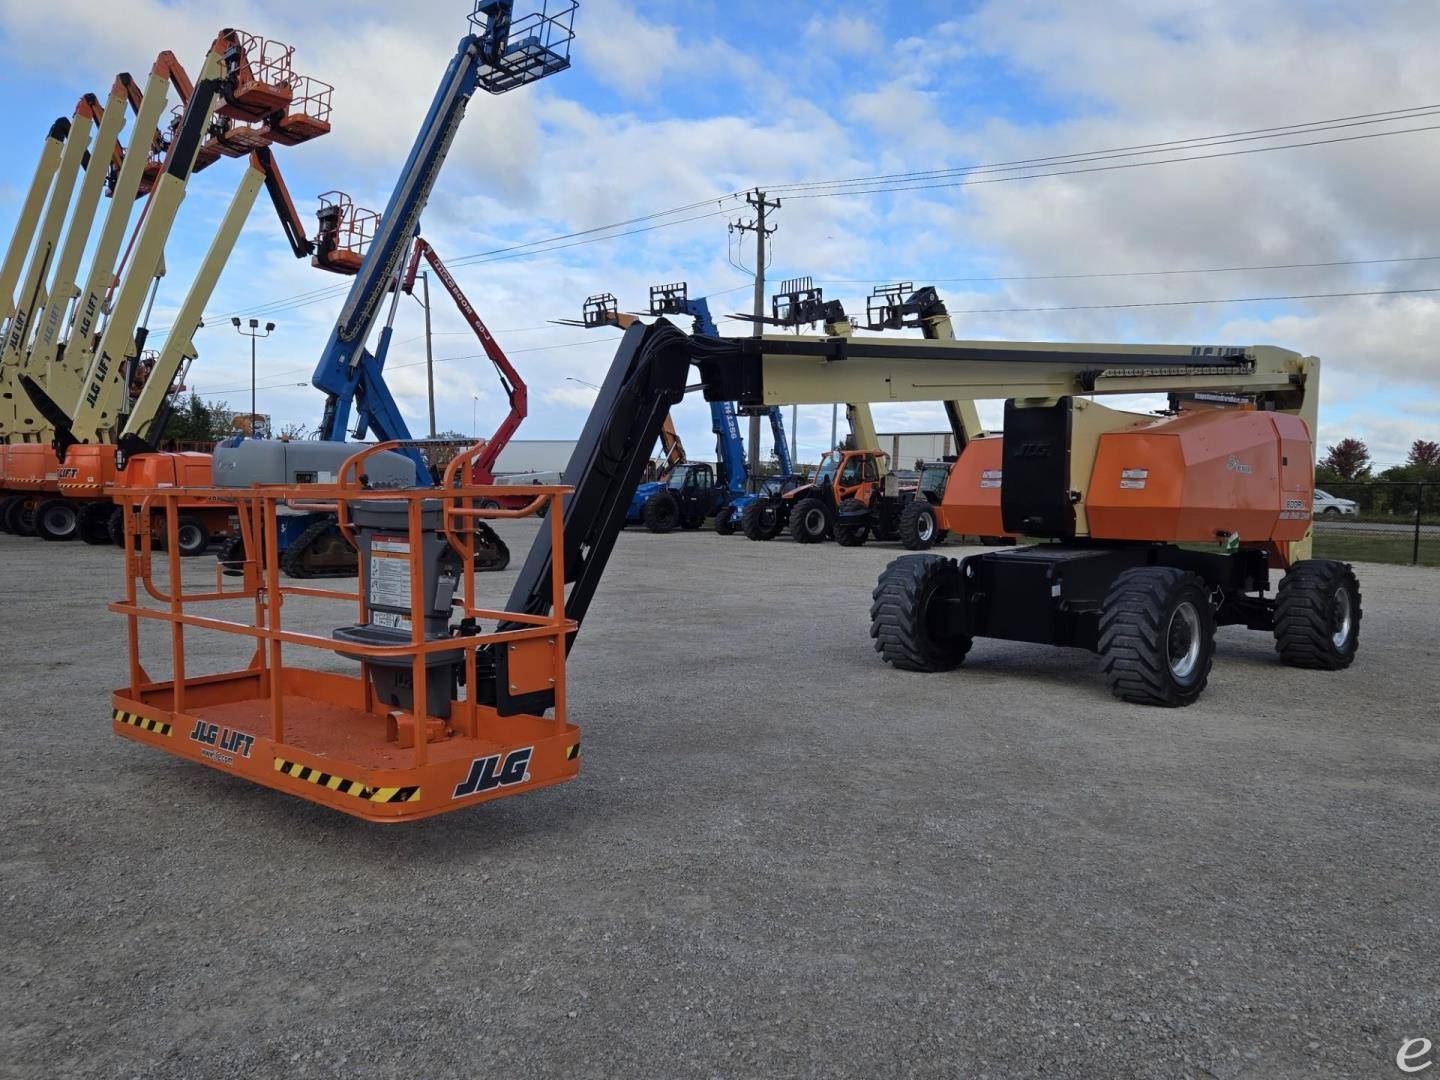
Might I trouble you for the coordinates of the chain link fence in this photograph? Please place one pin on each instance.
(1378, 521)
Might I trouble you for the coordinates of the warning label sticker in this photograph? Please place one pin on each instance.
(390, 574)
(991, 478)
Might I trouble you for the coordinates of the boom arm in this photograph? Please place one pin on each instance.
(515, 390)
(30, 210)
(485, 59)
(649, 372)
(142, 427)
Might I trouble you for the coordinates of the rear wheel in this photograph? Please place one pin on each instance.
(1317, 615)
(851, 534)
(1157, 636)
(661, 513)
(1331, 511)
(4, 508)
(725, 521)
(20, 516)
(57, 519)
(760, 520)
(918, 527)
(810, 521)
(907, 619)
(192, 537)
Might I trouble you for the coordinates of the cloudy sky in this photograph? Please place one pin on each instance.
(673, 106)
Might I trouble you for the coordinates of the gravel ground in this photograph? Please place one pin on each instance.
(781, 858)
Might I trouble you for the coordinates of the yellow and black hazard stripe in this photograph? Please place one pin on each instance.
(572, 752)
(144, 723)
(347, 787)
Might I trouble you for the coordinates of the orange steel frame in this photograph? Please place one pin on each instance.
(323, 736)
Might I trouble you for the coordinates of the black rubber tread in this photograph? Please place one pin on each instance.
(1304, 615)
(760, 520)
(69, 511)
(898, 614)
(1134, 620)
(191, 522)
(661, 512)
(20, 516)
(4, 508)
(909, 525)
(292, 559)
(115, 525)
(231, 555)
(803, 509)
(95, 523)
(491, 553)
(691, 521)
(851, 535)
(725, 522)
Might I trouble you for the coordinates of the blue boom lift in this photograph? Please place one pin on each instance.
(500, 54)
(691, 491)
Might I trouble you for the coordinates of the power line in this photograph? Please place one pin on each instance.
(1195, 142)
(1114, 168)
(1134, 273)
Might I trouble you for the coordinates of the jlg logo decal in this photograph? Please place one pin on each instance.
(487, 774)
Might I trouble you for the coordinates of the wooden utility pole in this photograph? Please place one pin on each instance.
(762, 232)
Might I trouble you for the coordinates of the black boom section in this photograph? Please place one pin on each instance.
(1035, 498)
(646, 378)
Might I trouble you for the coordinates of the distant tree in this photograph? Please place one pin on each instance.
(1424, 452)
(294, 431)
(1349, 459)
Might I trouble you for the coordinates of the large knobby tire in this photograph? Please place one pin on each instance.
(851, 535)
(1317, 615)
(724, 522)
(810, 521)
(905, 620)
(1157, 636)
(58, 520)
(661, 513)
(760, 520)
(4, 509)
(919, 528)
(192, 537)
(20, 518)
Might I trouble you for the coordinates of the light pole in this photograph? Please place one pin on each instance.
(475, 414)
(429, 346)
(253, 333)
(582, 382)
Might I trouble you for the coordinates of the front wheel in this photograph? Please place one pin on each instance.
(1317, 615)
(1157, 636)
(95, 523)
(724, 522)
(908, 616)
(918, 528)
(810, 521)
(661, 513)
(1331, 511)
(57, 519)
(851, 533)
(760, 520)
(192, 537)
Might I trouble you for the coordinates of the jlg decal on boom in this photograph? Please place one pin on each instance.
(92, 395)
